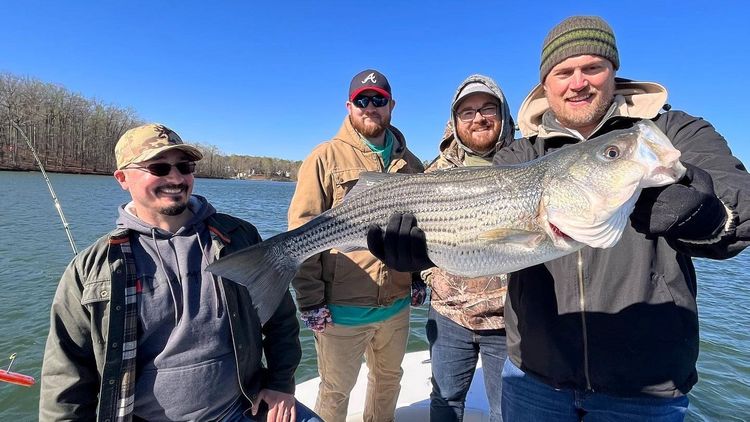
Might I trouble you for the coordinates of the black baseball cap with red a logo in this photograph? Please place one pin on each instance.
(369, 79)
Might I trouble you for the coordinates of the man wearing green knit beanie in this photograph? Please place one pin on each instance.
(611, 334)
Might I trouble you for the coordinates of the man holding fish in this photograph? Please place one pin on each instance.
(606, 333)
(354, 305)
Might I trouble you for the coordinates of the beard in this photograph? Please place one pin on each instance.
(588, 116)
(479, 142)
(174, 209)
(179, 205)
(370, 128)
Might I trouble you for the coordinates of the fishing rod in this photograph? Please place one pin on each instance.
(49, 185)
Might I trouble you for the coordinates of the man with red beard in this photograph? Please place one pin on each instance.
(466, 314)
(352, 302)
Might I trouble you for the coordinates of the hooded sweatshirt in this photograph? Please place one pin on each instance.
(621, 321)
(453, 152)
(474, 303)
(184, 339)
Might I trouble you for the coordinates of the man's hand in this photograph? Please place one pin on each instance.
(418, 290)
(280, 406)
(403, 247)
(687, 210)
(317, 319)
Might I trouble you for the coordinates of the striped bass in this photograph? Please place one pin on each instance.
(479, 220)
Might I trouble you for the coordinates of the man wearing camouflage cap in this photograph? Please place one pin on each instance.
(140, 330)
(612, 334)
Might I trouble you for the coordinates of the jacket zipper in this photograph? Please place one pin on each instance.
(582, 303)
(249, 398)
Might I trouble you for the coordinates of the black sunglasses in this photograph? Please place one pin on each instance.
(361, 101)
(163, 169)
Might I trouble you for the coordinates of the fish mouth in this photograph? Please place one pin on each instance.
(663, 175)
(558, 237)
(557, 232)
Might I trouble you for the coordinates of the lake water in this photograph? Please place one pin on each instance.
(34, 251)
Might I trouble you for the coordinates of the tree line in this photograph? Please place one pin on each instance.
(74, 134)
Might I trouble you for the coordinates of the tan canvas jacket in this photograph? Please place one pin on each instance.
(326, 175)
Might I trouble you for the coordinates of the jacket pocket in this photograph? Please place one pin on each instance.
(344, 182)
(96, 297)
(98, 291)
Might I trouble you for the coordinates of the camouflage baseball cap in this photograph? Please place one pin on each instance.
(145, 142)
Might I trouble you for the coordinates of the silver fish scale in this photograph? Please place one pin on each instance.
(481, 220)
(453, 207)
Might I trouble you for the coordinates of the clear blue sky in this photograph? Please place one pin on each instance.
(271, 78)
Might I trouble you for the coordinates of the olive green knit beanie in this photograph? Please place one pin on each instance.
(578, 35)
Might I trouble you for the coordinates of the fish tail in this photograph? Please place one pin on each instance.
(265, 272)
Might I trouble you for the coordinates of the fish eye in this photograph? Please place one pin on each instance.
(612, 152)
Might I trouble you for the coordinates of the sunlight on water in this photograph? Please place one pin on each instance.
(34, 251)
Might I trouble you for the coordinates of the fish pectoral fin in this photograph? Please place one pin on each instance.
(522, 238)
(351, 248)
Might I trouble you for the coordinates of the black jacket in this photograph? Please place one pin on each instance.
(625, 322)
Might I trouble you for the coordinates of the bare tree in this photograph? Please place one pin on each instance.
(74, 134)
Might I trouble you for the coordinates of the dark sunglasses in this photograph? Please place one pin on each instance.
(163, 169)
(361, 101)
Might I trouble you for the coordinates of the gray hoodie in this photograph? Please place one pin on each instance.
(184, 339)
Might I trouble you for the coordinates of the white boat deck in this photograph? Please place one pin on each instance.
(414, 400)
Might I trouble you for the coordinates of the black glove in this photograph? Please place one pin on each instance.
(403, 247)
(688, 209)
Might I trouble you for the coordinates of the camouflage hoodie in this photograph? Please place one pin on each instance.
(475, 303)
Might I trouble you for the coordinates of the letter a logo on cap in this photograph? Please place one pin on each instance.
(371, 78)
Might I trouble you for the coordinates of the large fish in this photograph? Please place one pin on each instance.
(479, 220)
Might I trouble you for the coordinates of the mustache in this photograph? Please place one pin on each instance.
(484, 124)
(582, 93)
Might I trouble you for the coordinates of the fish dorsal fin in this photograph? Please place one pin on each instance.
(368, 179)
(522, 238)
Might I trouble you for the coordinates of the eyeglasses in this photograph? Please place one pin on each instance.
(361, 101)
(163, 169)
(468, 115)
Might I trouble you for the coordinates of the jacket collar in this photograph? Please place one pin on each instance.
(642, 100)
(350, 136)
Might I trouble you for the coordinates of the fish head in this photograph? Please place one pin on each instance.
(593, 186)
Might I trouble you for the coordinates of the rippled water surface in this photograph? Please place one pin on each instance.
(34, 251)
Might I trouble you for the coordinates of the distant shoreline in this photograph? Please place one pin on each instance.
(52, 169)
(107, 173)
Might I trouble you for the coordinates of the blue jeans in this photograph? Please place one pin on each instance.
(528, 399)
(454, 351)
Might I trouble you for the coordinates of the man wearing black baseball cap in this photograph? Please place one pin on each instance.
(352, 302)
(370, 87)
